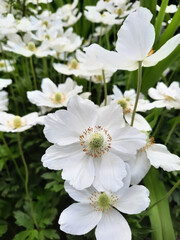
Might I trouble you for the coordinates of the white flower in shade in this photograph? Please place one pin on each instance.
(3, 101)
(14, 123)
(6, 65)
(53, 96)
(4, 83)
(153, 154)
(127, 102)
(4, 7)
(36, 2)
(164, 96)
(135, 41)
(91, 144)
(102, 209)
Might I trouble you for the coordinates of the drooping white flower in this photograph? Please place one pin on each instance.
(53, 96)
(153, 154)
(14, 123)
(4, 83)
(91, 144)
(164, 96)
(134, 44)
(102, 209)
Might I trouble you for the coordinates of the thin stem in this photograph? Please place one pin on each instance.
(105, 87)
(26, 179)
(172, 130)
(11, 157)
(159, 123)
(33, 72)
(107, 38)
(138, 91)
(164, 197)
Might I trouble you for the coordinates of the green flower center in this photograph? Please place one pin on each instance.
(104, 201)
(2, 64)
(123, 103)
(31, 46)
(57, 97)
(99, 78)
(73, 64)
(17, 122)
(96, 140)
(119, 11)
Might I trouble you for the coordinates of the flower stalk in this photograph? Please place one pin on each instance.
(138, 90)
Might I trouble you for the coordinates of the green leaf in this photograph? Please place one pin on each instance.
(24, 220)
(49, 234)
(160, 18)
(27, 235)
(3, 227)
(171, 29)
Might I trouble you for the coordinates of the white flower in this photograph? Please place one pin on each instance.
(127, 101)
(91, 144)
(7, 25)
(14, 123)
(134, 44)
(36, 2)
(27, 48)
(169, 9)
(6, 65)
(4, 83)
(168, 97)
(54, 96)
(102, 209)
(4, 7)
(153, 154)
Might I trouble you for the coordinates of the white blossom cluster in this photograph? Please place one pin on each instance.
(102, 156)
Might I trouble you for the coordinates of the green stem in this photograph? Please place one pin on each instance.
(159, 123)
(33, 72)
(107, 38)
(160, 200)
(11, 157)
(105, 87)
(98, 89)
(138, 91)
(26, 179)
(172, 130)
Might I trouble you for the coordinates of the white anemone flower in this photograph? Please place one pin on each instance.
(14, 123)
(53, 96)
(172, 8)
(36, 2)
(134, 44)
(153, 154)
(6, 65)
(4, 7)
(103, 209)
(4, 83)
(27, 47)
(91, 144)
(127, 102)
(164, 96)
(7, 25)
(3, 101)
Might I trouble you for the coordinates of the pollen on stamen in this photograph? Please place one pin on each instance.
(151, 52)
(150, 142)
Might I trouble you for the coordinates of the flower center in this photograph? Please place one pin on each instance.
(73, 64)
(119, 11)
(169, 98)
(2, 64)
(45, 23)
(31, 46)
(99, 78)
(102, 201)
(47, 36)
(124, 103)
(95, 141)
(150, 52)
(58, 97)
(149, 142)
(17, 122)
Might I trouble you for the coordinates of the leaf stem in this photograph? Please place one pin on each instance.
(33, 72)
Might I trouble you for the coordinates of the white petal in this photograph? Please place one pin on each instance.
(38, 98)
(136, 36)
(79, 219)
(139, 122)
(113, 226)
(79, 195)
(139, 167)
(62, 127)
(56, 157)
(128, 140)
(110, 171)
(48, 87)
(159, 156)
(163, 52)
(79, 171)
(133, 200)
